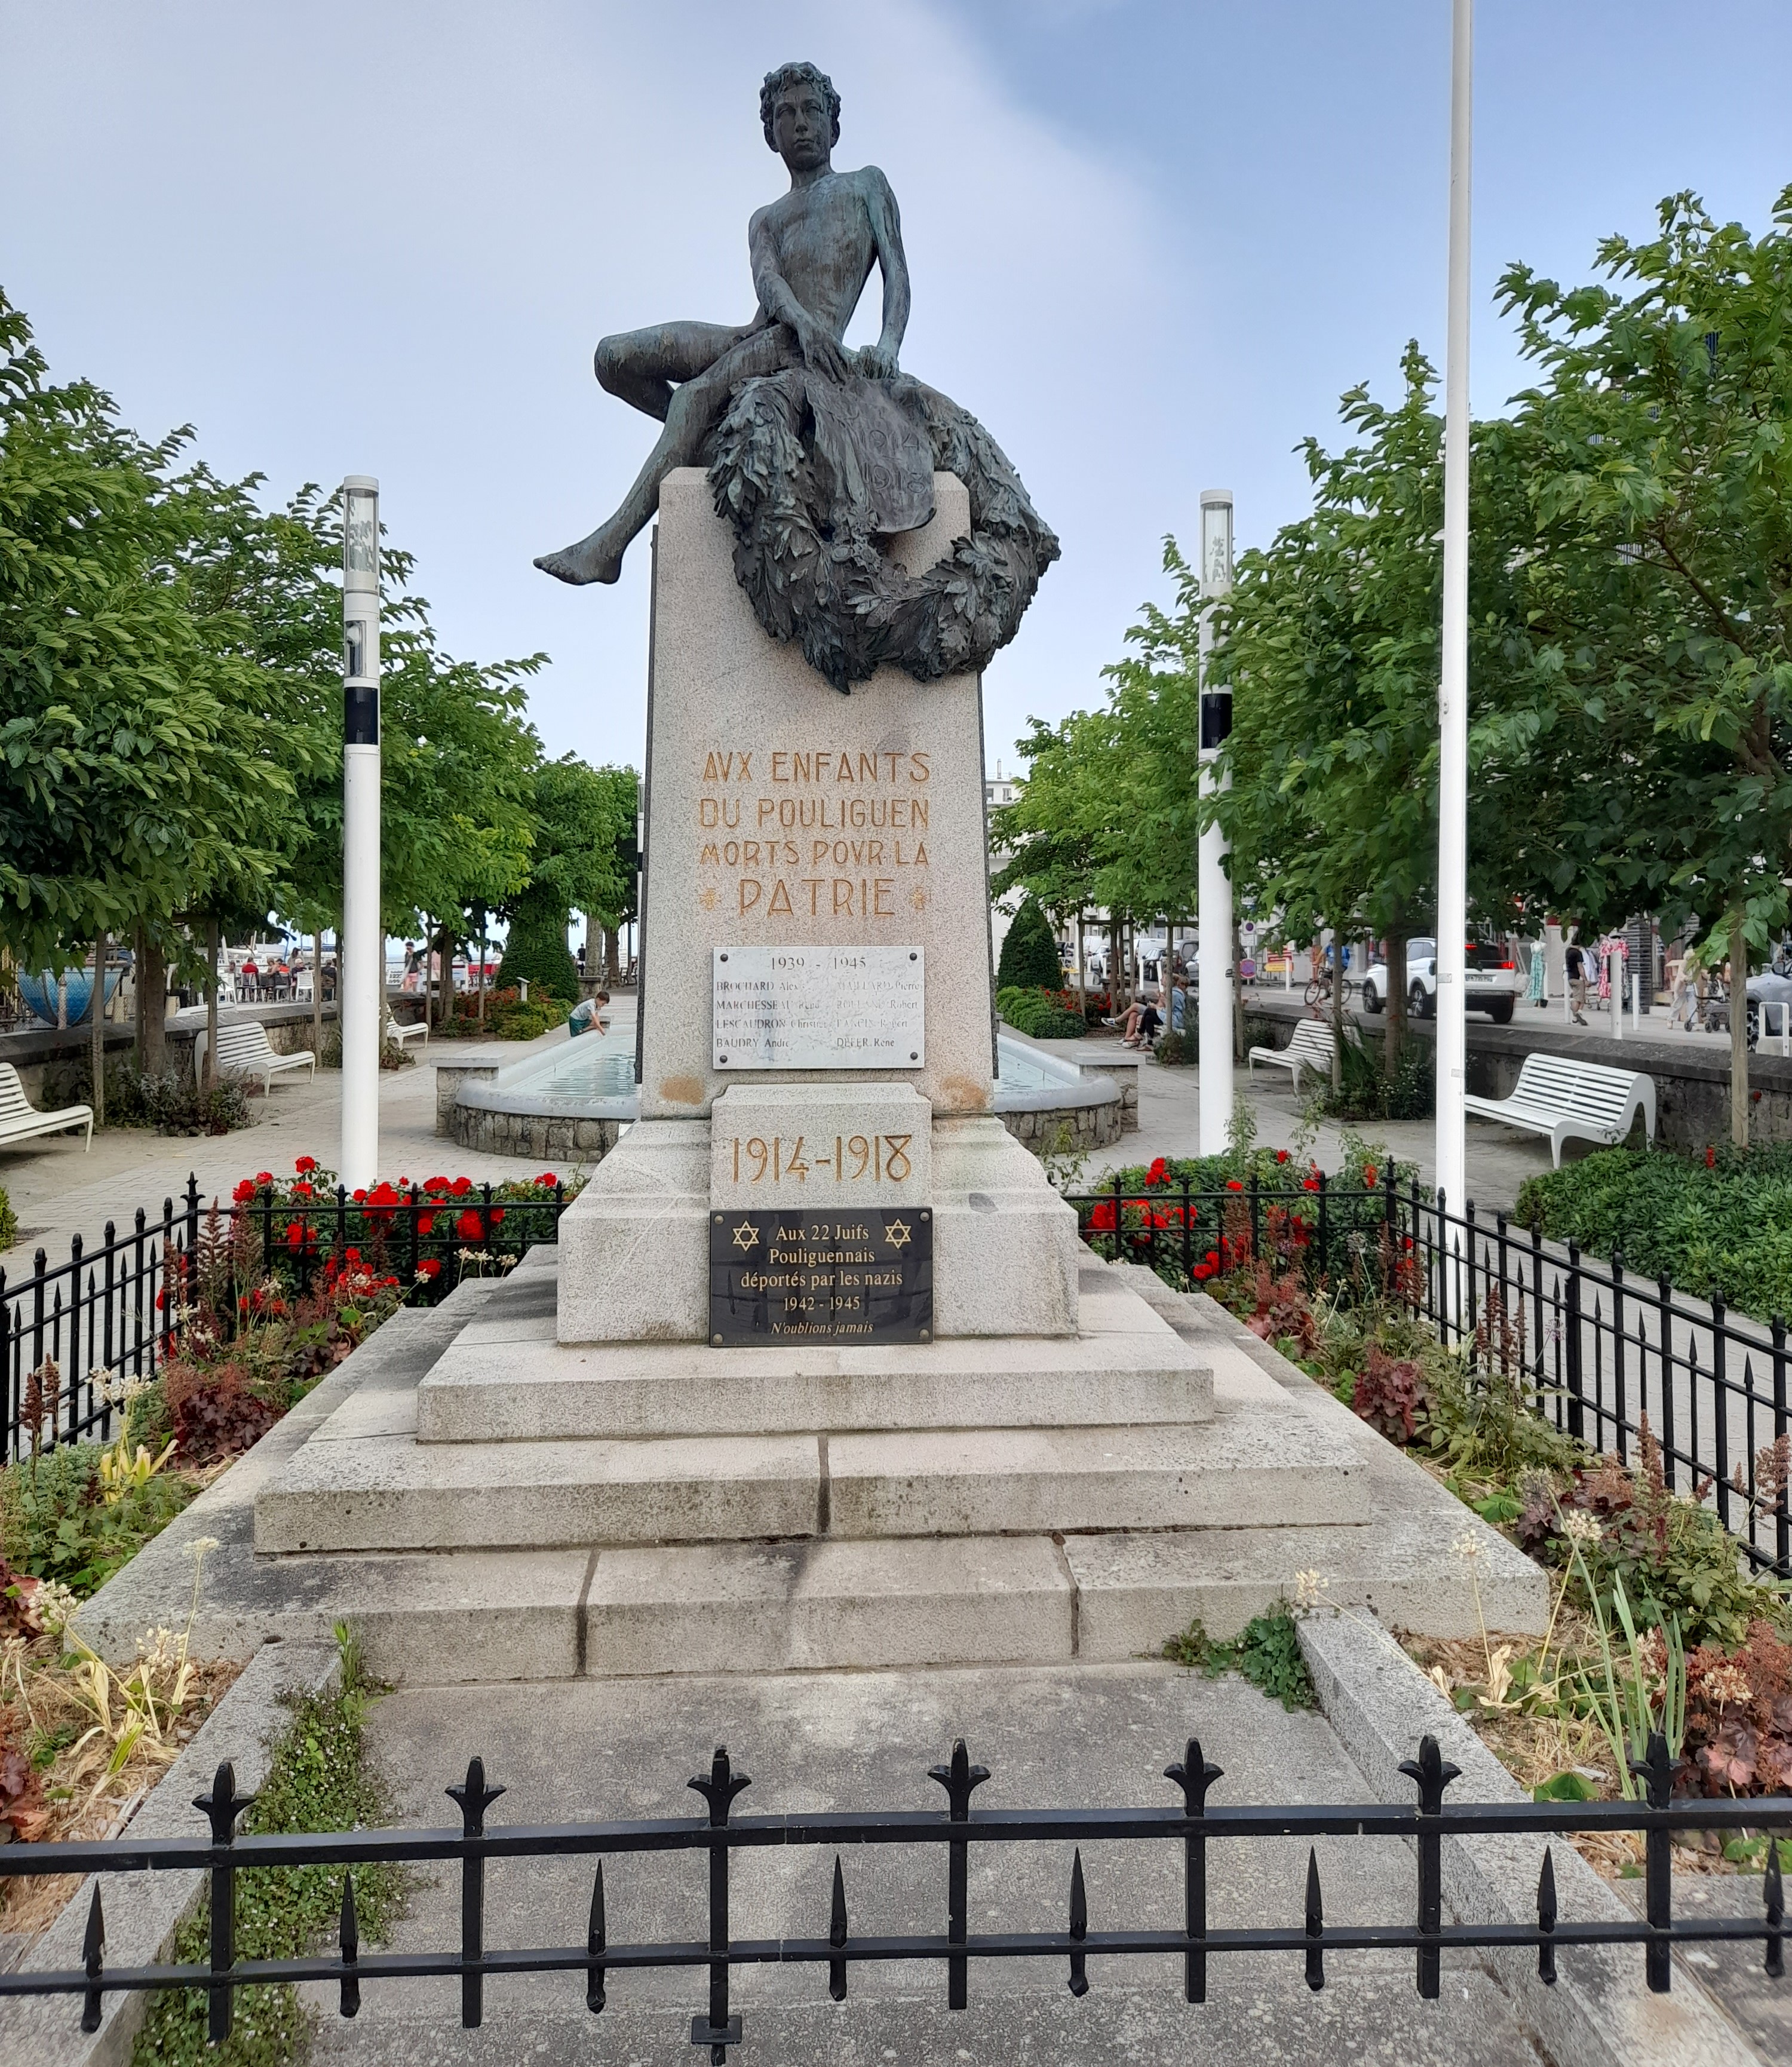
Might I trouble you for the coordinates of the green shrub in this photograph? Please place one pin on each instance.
(9, 1220)
(54, 1526)
(1266, 1651)
(1175, 1050)
(171, 1103)
(317, 1780)
(1722, 1226)
(535, 952)
(1029, 959)
(1039, 1014)
(1366, 1092)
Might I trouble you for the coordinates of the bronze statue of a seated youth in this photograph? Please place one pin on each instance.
(812, 251)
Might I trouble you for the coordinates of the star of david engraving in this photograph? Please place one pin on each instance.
(897, 1233)
(746, 1237)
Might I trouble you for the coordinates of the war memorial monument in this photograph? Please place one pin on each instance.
(821, 1374)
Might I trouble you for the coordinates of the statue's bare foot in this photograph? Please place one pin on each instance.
(591, 560)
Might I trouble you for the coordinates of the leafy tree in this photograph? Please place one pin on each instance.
(1658, 460)
(138, 779)
(582, 817)
(1029, 958)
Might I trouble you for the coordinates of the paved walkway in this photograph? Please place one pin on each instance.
(1068, 1735)
(57, 1190)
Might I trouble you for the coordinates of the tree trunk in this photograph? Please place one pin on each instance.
(1237, 948)
(1337, 1011)
(96, 1012)
(151, 974)
(1738, 1031)
(612, 970)
(1396, 1038)
(1082, 982)
(208, 1075)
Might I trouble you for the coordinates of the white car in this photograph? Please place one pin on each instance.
(1492, 984)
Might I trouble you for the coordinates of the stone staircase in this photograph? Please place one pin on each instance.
(526, 1509)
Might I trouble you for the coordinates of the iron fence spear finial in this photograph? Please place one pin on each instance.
(1545, 1919)
(960, 1779)
(1775, 1897)
(474, 1797)
(1315, 1924)
(350, 1938)
(596, 1937)
(1194, 1776)
(93, 1947)
(1079, 1926)
(836, 1934)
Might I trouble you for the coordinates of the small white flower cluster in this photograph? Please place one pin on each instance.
(55, 1606)
(1580, 1527)
(121, 1391)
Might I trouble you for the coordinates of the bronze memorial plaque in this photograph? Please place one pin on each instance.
(785, 1275)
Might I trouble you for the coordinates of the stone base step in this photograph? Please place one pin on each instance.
(505, 1378)
(463, 1616)
(393, 1493)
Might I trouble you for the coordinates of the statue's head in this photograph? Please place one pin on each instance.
(800, 112)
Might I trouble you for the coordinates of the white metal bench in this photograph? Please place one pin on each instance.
(414, 1029)
(244, 1050)
(1570, 1100)
(20, 1120)
(1311, 1049)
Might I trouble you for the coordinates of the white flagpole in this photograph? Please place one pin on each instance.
(1452, 701)
(1214, 1004)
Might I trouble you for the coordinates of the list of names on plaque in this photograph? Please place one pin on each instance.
(786, 1276)
(816, 1008)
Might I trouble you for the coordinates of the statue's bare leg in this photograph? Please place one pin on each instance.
(641, 367)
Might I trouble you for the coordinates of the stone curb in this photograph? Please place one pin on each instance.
(1599, 2013)
(143, 1910)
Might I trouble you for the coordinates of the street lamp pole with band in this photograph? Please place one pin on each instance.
(361, 949)
(1214, 888)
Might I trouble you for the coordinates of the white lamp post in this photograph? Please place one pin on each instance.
(361, 950)
(1452, 699)
(1214, 886)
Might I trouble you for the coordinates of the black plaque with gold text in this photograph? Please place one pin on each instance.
(840, 1275)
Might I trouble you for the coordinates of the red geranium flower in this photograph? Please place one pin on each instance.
(1102, 1217)
(305, 1165)
(425, 1223)
(430, 1267)
(1309, 1184)
(497, 1215)
(264, 1176)
(1370, 1176)
(302, 1190)
(1234, 1185)
(243, 1192)
(1281, 1155)
(469, 1227)
(461, 1186)
(1711, 1159)
(1158, 1173)
(547, 1180)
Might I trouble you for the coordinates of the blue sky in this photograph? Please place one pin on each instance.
(1150, 243)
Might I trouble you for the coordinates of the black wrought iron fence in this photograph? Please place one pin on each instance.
(1195, 1825)
(70, 1332)
(1600, 1351)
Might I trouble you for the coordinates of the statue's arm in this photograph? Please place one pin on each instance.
(819, 351)
(886, 228)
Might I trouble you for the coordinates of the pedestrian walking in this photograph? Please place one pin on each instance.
(1575, 959)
